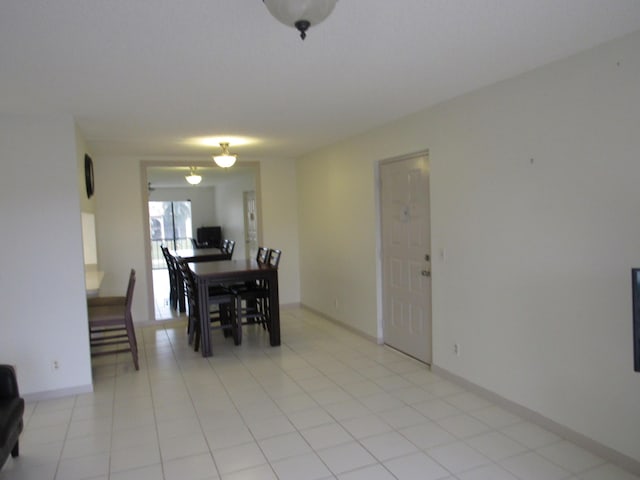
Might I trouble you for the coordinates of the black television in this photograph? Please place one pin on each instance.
(209, 236)
(635, 290)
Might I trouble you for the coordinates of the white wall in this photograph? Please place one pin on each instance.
(536, 283)
(44, 314)
(338, 258)
(279, 210)
(229, 202)
(120, 226)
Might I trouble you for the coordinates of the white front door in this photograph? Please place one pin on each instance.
(406, 256)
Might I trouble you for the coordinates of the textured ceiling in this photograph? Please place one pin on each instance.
(142, 77)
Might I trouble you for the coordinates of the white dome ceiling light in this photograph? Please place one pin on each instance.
(225, 160)
(193, 178)
(300, 14)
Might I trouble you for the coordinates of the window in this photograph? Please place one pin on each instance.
(170, 225)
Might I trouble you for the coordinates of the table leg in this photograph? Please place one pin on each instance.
(274, 310)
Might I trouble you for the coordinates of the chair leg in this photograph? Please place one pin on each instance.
(196, 341)
(225, 319)
(191, 329)
(133, 343)
(173, 293)
(236, 321)
(16, 450)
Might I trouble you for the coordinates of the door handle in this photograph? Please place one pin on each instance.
(426, 273)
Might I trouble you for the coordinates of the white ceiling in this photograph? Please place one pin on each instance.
(141, 77)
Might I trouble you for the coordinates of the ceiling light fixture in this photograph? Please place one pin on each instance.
(225, 160)
(192, 178)
(300, 14)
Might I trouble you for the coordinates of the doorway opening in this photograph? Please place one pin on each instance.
(175, 210)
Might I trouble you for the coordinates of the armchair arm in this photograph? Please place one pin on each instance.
(8, 382)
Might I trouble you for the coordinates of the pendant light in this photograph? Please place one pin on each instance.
(225, 160)
(192, 178)
(300, 14)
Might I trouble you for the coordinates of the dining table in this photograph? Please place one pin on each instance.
(194, 255)
(225, 272)
(200, 254)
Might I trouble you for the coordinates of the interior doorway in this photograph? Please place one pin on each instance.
(406, 255)
(216, 201)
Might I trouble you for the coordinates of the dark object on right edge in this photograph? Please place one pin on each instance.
(11, 411)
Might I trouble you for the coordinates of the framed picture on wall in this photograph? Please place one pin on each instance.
(88, 175)
(635, 289)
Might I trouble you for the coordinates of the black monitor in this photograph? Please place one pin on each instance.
(209, 236)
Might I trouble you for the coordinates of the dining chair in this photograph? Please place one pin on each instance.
(274, 257)
(174, 279)
(111, 327)
(256, 297)
(263, 255)
(261, 258)
(222, 317)
(231, 247)
(196, 244)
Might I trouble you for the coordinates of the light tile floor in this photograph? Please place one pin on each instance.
(327, 404)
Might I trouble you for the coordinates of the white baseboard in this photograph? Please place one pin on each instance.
(583, 441)
(62, 392)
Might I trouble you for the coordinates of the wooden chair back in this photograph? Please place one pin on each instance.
(263, 255)
(274, 257)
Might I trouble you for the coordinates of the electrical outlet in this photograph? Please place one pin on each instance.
(55, 365)
(456, 349)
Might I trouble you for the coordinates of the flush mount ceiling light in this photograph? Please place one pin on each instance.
(225, 160)
(300, 14)
(192, 178)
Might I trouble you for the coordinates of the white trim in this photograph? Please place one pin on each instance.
(51, 394)
(583, 441)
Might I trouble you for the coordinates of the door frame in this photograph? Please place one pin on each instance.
(146, 234)
(379, 265)
(245, 194)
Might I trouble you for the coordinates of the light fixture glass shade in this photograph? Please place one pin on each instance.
(300, 14)
(225, 160)
(192, 178)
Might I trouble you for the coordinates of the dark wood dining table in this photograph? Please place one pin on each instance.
(200, 254)
(208, 274)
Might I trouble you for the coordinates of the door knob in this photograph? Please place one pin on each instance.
(426, 273)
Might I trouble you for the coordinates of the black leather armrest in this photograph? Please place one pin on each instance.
(8, 382)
